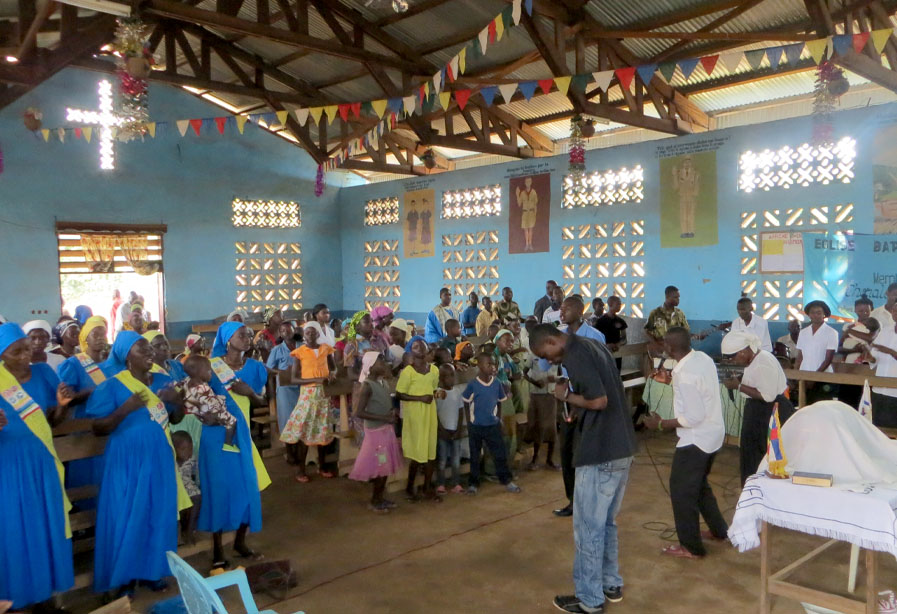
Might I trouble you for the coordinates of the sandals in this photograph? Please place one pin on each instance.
(248, 553)
(679, 552)
(303, 479)
(326, 474)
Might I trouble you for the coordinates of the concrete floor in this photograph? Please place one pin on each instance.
(506, 553)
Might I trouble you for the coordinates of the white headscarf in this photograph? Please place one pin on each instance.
(315, 326)
(37, 324)
(737, 340)
(367, 361)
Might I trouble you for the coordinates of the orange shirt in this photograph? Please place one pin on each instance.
(313, 364)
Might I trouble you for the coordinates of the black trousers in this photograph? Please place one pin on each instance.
(755, 431)
(692, 498)
(567, 432)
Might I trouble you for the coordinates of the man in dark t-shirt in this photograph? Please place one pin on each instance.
(613, 326)
(604, 449)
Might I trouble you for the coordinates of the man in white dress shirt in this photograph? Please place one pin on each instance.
(816, 347)
(701, 430)
(884, 351)
(749, 321)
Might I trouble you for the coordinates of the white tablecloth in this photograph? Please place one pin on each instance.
(865, 517)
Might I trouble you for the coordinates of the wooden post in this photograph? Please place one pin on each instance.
(764, 569)
(871, 593)
(802, 393)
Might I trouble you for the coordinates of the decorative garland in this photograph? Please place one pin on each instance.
(577, 164)
(830, 85)
(134, 64)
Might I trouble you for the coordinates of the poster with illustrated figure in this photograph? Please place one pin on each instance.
(884, 179)
(688, 207)
(417, 224)
(528, 213)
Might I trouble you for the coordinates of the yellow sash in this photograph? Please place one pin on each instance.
(157, 410)
(92, 368)
(157, 369)
(228, 377)
(34, 418)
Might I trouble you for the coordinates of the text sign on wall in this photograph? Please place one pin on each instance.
(781, 252)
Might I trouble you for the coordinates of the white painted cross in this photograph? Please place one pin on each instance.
(105, 118)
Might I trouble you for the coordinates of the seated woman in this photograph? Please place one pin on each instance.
(231, 478)
(83, 372)
(141, 492)
(35, 544)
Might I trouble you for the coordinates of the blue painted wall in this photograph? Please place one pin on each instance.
(708, 277)
(186, 183)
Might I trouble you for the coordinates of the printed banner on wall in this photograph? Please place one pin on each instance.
(417, 222)
(529, 212)
(839, 269)
(688, 215)
(884, 179)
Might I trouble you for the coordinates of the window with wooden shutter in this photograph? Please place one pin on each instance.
(109, 248)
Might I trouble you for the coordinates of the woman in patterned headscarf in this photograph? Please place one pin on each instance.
(382, 316)
(65, 335)
(359, 339)
(266, 339)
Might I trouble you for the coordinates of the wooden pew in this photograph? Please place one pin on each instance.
(802, 377)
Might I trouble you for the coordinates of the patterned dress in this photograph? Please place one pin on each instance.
(310, 420)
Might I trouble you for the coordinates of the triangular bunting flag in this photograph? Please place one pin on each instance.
(61, 133)
(46, 134)
(830, 47)
(183, 124)
(491, 28)
(730, 60)
(528, 4)
(222, 121)
(445, 99)
(395, 105)
(196, 124)
(461, 97)
(316, 114)
(817, 47)
(408, 104)
(563, 84)
(859, 41)
(792, 52)
(379, 107)
(449, 73)
(454, 66)
(667, 70)
(151, 128)
(603, 78)
(269, 118)
(646, 72)
(483, 39)
(88, 131)
(437, 82)
(515, 11)
(842, 43)
(302, 116)
(755, 57)
(879, 38)
(499, 28)
(331, 111)
(344, 111)
(708, 62)
(687, 67)
(488, 94)
(774, 55)
(545, 85)
(356, 110)
(579, 82)
(625, 76)
(527, 88)
(507, 91)
(282, 117)
(241, 121)
(462, 60)
(77, 133)
(507, 17)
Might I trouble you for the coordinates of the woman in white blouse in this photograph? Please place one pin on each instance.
(816, 347)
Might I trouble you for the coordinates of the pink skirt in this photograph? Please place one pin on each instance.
(379, 456)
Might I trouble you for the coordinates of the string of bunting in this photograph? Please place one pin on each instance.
(426, 99)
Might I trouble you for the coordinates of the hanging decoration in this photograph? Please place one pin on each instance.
(134, 64)
(429, 159)
(827, 74)
(577, 165)
(33, 119)
(319, 181)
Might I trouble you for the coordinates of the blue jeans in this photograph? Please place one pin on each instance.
(490, 436)
(448, 451)
(598, 496)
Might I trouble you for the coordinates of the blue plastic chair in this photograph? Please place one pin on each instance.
(199, 593)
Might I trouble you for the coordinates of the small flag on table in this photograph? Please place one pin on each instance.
(775, 450)
(865, 406)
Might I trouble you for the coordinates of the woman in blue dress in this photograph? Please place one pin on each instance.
(35, 545)
(141, 493)
(163, 363)
(232, 477)
(83, 372)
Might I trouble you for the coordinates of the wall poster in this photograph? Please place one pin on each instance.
(688, 207)
(417, 223)
(528, 213)
(781, 252)
(884, 179)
